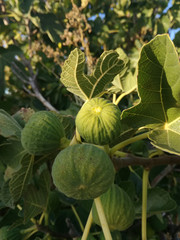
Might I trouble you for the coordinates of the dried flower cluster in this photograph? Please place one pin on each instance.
(76, 27)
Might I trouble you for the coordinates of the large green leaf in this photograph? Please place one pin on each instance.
(8, 125)
(125, 82)
(87, 87)
(158, 84)
(167, 138)
(20, 179)
(158, 201)
(36, 197)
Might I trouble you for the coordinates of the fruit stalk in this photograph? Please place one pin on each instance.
(129, 141)
(87, 227)
(102, 218)
(144, 203)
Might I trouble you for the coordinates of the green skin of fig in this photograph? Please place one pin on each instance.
(42, 134)
(118, 208)
(83, 171)
(98, 121)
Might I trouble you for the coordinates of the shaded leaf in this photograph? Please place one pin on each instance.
(5, 195)
(23, 115)
(13, 234)
(87, 87)
(125, 82)
(69, 126)
(11, 153)
(25, 5)
(20, 179)
(129, 188)
(7, 55)
(36, 197)
(158, 201)
(48, 23)
(8, 125)
(158, 84)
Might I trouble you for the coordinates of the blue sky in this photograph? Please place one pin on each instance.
(172, 32)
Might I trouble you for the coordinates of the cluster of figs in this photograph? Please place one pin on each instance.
(83, 170)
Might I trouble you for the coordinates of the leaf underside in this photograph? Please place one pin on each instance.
(158, 84)
(159, 92)
(89, 86)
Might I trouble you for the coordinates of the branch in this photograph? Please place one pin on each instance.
(31, 80)
(131, 160)
(162, 174)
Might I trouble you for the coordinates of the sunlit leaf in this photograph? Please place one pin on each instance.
(25, 5)
(158, 84)
(167, 138)
(84, 86)
(125, 82)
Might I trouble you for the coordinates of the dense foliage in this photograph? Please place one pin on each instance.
(56, 55)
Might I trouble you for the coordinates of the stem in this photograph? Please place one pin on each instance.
(27, 230)
(88, 226)
(78, 137)
(77, 217)
(30, 234)
(106, 148)
(144, 203)
(73, 141)
(102, 219)
(129, 141)
(120, 154)
(114, 98)
(120, 97)
(41, 218)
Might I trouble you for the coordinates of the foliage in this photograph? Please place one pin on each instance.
(54, 55)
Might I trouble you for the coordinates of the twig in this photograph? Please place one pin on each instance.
(32, 81)
(131, 160)
(162, 174)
